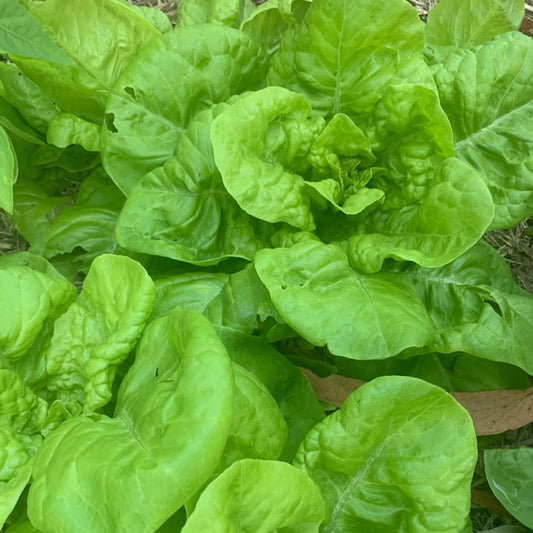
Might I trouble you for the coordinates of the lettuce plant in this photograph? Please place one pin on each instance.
(259, 187)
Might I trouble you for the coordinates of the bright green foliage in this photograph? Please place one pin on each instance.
(19, 91)
(278, 131)
(283, 380)
(29, 300)
(187, 214)
(343, 56)
(356, 315)
(66, 129)
(258, 496)
(491, 316)
(487, 94)
(469, 23)
(87, 226)
(299, 183)
(8, 172)
(100, 38)
(171, 421)
(451, 217)
(510, 476)
(378, 461)
(22, 415)
(21, 34)
(165, 87)
(223, 12)
(98, 331)
(258, 429)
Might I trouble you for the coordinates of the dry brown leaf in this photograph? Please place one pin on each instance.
(497, 411)
(492, 412)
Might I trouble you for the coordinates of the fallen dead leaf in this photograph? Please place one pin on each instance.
(492, 412)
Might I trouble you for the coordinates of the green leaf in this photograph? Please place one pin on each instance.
(21, 34)
(30, 300)
(469, 23)
(510, 476)
(153, 15)
(453, 213)
(182, 210)
(343, 55)
(181, 74)
(98, 331)
(358, 316)
(235, 501)
(84, 230)
(30, 101)
(34, 211)
(11, 489)
(258, 428)
(8, 172)
(171, 422)
(22, 415)
(66, 129)
(398, 456)
(232, 301)
(287, 385)
(268, 21)
(270, 131)
(223, 12)
(22, 527)
(14, 122)
(99, 37)
(488, 96)
(476, 307)
(456, 372)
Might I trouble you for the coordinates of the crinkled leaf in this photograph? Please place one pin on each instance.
(22, 415)
(358, 316)
(270, 131)
(343, 55)
(66, 129)
(452, 216)
(182, 210)
(182, 73)
(510, 476)
(171, 422)
(469, 23)
(8, 172)
(98, 331)
(259, 496)
(487, 94)
(398, 456)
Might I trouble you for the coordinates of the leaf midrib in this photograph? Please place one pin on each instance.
(345, 495)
